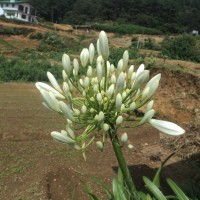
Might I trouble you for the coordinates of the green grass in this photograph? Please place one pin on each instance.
(6, 45)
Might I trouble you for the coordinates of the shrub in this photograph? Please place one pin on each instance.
(182, 48)
(126, 29)
(18, 70)
(54, 39)
(7, 30)
(37, 36)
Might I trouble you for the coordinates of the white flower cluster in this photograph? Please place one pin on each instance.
(98, 95)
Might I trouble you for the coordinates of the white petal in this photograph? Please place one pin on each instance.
(167, 127)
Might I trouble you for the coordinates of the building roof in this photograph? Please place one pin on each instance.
(14, 1)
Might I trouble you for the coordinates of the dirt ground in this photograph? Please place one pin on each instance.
(33, 166)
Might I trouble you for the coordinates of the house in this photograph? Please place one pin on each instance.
(195, 32)
(17, 9)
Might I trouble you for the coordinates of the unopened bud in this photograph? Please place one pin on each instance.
(99, 145)
(124, 138)
(119, 120)
(84, 56)
(105, 127)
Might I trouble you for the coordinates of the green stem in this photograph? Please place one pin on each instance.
(122, 163)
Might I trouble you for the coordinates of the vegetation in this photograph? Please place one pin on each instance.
(181, 48)
(125, 28)
(164, 15)
(19, 70)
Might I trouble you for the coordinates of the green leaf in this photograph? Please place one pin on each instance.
(154, 189)
(120, 177)
(123, 191)
(156, 179)
(115, 189)
(107, 190)
(180, 194)
(89, 192)
(142, 195)
(93, 197)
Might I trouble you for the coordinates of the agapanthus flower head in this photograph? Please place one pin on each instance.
(102, 97)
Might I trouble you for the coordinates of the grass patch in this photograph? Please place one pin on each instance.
(6, 45)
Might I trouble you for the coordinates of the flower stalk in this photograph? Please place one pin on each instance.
(107, 96)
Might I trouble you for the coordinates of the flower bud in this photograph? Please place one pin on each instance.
(98, 50)
(110, 91)
(70, 132)
(149, 106)
(92, 110)
(95, 88)
(140, 69)
(130, 71)
(108, 68)
(66, 64)
(62, 138)
(101, 116)
(48, 88)
(106, 127)
(119, 120)
(50, 100)
(89, 71)
(124, 95)
(141, 78)
(122, 108)
(65, 88)
(125, 60)
(83, 109)
(145, 93)
(84, 56)
(76, 67)
(130, 146)
(120, 65)
(153, 89)
(99, 71)
(167, 127)
(66, 110)
(120, 83)
(132, 106)
(99, 145)
(77, 112)
(113, 79)
(99, 97)
(124, 138)
(148, 115)
(118, 102)
(64, 75)
(81, 81)
(86, 82)
(53, 81)
(103, 45)
(91, 53)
